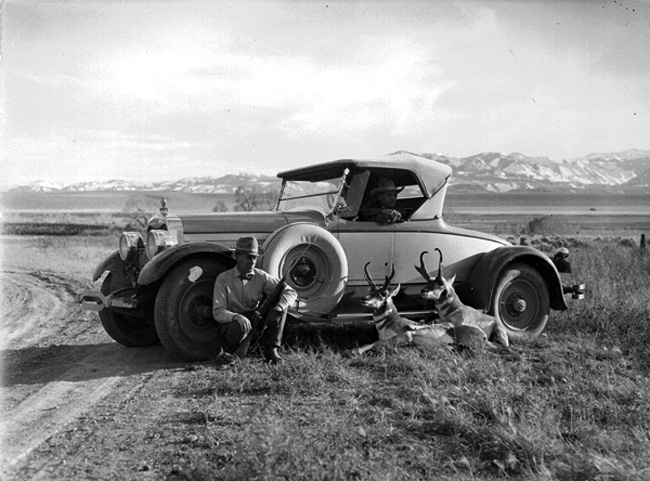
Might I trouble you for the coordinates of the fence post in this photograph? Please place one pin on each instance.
(642, 244)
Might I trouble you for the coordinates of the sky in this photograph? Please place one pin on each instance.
(162, 90)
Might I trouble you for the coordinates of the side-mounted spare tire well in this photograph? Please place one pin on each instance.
(314, 263)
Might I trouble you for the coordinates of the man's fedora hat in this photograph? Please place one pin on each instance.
(249, 246)
(385, 185)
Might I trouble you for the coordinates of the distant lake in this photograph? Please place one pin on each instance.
(461, 203)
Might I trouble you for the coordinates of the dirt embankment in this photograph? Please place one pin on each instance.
(58, 364)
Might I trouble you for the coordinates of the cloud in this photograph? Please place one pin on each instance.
(142, 88)
(392, 80)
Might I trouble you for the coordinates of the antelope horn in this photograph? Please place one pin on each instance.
(439, 264)
(422, 268)
(389, 278)
(368, 277)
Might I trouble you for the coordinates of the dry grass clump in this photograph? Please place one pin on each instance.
(615, 311)
(549, 244)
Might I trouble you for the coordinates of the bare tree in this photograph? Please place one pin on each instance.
(253, 197)
(220, 206)
(139, 209)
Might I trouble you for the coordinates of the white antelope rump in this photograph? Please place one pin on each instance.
(452, 310)
(391, 326)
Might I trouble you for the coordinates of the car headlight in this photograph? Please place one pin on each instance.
(157, 241)
(130, 242)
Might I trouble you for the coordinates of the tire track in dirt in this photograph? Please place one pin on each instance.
(58, 361)
(56, 403)
(27, 308)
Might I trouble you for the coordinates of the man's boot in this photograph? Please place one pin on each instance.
(271, 355)
(272, 337)
(242, 351)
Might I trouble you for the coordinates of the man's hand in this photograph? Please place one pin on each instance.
(243, 322)
(389, 216)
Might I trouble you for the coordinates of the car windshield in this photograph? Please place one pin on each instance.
(299, 195)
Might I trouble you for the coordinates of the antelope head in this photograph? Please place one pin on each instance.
(436, 286)
(379, 296)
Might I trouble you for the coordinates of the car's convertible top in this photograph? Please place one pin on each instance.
(431, 174)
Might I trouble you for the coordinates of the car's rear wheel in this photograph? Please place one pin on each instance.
(183, 310)
(314, 263)
(129, 329)
(521, 301)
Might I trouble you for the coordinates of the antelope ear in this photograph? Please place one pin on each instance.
(451, 281)
(393, 293)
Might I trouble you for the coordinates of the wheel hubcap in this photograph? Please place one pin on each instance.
(518, 305)
(309, 272)
(195, 312)
(304, 273)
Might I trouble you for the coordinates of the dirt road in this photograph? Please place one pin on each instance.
(61, 373)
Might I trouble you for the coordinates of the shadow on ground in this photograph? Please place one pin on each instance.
(336, 337)
(77, 363)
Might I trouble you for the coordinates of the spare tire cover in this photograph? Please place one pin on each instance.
(318, 264)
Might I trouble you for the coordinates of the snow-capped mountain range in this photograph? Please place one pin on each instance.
(627, 171)
(498, 172)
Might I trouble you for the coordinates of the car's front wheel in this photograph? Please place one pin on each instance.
(127, 328)
(521, 301)
(183, 310)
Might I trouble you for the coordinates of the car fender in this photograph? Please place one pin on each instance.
(156, 268)
(483, 276)
(112, 263)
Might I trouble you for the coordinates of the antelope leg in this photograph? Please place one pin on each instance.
(362, 349)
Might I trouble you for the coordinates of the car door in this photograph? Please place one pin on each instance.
(365, 242)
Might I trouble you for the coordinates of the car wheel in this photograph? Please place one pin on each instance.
(521, 301)
(183, 310)
(314, 263)
(130, 330)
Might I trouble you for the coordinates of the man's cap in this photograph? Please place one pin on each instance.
(385, 185)
(248, 246)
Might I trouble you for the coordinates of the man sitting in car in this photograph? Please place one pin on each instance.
(382, 207)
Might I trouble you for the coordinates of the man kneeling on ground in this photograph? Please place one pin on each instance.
(238, 293)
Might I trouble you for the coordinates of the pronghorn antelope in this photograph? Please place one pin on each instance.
(390, 325)
(452, 310)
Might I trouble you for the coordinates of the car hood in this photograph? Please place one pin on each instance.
(244, 222)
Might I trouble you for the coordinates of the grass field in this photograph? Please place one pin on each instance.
(577, 407)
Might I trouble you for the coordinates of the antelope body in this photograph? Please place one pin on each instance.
(452, 310)
(391, 325)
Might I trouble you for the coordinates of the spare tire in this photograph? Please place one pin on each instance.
(318, 264)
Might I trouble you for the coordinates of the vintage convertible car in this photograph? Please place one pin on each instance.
(159, 288)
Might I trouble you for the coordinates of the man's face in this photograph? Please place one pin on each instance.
(388, 200)
(245, 263)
